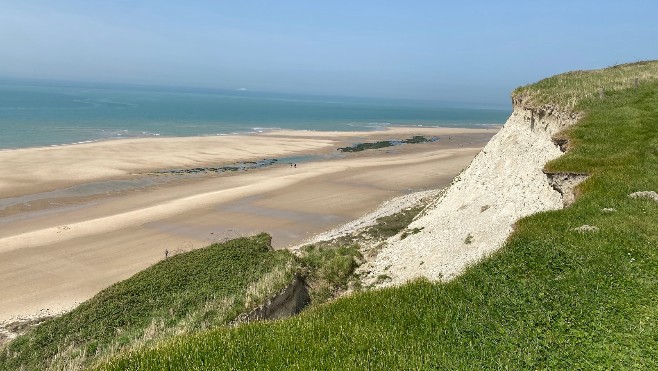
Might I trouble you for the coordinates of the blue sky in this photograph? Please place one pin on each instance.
(464, 51)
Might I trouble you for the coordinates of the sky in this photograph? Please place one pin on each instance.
(458, 51)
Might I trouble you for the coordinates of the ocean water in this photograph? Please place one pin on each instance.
(43, 114)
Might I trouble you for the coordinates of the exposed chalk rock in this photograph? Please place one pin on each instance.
(562, 143)
(645, 194)
(507, 176)
(586, 228)
(565, 183)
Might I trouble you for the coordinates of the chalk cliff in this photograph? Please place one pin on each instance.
(476, 214)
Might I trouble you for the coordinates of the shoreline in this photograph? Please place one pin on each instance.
(254, 131)
(53, 256)
(27, 170)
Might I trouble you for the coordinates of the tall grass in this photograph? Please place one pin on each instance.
(551, 298)
(329, 270)
(566, 91)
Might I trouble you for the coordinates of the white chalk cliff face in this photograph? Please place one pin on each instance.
(476, 214)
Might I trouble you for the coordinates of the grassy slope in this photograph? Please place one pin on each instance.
(551, 298)
(184, 293)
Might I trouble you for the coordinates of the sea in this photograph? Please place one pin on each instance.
(43, 113)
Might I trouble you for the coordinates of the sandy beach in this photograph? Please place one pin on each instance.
(75, 219)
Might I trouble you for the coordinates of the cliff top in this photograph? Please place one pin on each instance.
(568, 90)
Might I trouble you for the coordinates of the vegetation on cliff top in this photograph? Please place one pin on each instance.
(568, 90)
(551, 298)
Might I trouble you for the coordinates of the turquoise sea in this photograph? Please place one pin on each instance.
(45, 113)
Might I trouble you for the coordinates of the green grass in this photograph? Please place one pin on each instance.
(388, 226)
(551, 298)
(383, 228)
(185, 293)
(329, 270)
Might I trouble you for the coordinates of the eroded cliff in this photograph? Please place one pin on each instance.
(476, 214)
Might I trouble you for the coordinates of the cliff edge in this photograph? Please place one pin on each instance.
(476, 214)
(505, 182)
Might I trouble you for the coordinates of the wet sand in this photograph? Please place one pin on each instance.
(58, 249)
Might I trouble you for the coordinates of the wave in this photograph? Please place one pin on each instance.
(263, 129)
(370, 125)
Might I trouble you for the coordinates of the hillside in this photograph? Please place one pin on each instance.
(185, 293)
(224, 284)
(570, 288)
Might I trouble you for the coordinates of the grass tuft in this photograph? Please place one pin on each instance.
(329, 270)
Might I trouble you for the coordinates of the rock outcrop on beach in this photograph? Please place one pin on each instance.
(475, 215)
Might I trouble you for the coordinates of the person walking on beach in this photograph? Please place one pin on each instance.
(166, 253)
